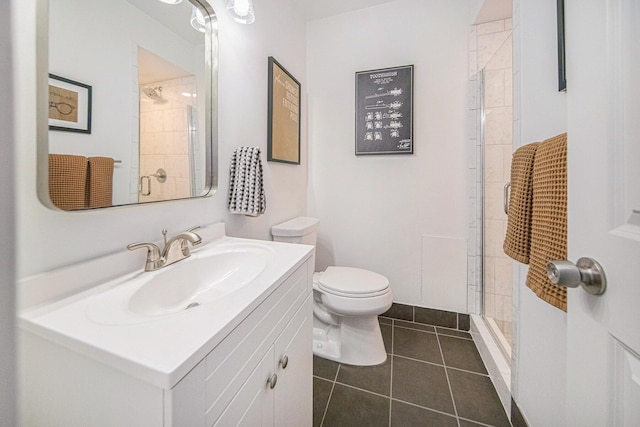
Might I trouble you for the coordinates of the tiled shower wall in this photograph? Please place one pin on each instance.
(164, 138)
(490, 47)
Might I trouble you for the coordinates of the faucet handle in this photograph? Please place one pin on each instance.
(154, 259)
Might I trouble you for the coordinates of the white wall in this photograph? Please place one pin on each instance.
(48, 239)
(539, 353)
(7, 225)
(390, 213)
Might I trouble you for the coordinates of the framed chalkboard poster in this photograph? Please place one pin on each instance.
(384, 111)
(283, 142)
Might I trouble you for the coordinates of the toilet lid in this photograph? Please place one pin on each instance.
(354, 281)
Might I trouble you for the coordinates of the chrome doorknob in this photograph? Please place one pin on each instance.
(587, 273)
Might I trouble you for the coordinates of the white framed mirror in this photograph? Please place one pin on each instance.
(131, 89)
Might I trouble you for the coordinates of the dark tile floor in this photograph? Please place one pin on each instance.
(433, 376)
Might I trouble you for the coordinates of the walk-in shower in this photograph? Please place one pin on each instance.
(490, 271)
(494, 93)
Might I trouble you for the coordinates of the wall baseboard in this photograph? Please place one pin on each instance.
(429, 316)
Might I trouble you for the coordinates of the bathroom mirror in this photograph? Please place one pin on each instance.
(132, 96)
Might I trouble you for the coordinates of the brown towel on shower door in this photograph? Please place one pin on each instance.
(100, 185)
(67, 181)
(549, 218)
(517, 242)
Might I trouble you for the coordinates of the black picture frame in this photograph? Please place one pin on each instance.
(384, 111)
(562, 70)
(69, 105)
(284, 115)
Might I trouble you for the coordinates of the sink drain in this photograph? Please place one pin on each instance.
(193, 304)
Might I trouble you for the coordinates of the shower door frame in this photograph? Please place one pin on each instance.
(496, 333)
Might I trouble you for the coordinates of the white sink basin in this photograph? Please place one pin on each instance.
(205, 277)
(210, 274)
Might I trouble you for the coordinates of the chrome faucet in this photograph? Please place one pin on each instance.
(176, 249)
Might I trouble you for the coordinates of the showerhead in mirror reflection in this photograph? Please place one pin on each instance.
(155, 94)
(151, 50)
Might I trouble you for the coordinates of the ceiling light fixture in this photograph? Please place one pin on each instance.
(241, 11)
(171, 1)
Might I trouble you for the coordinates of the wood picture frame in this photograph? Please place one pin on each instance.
(283, 142)
(69, 105)
(384, 111)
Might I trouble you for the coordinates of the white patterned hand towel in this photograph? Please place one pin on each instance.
(246, 190)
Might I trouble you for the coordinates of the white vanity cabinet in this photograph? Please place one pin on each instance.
(277, 392)
(259, 374)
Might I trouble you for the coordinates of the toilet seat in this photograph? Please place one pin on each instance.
(352, 282)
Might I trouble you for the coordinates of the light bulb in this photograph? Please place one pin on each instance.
(241, 11)
(197, 20)
(242, 7)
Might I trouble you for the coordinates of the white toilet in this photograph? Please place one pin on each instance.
(347, 302)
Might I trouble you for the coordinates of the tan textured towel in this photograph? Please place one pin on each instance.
(67, 181)
(100, 185)
(517, 241)
(549, 218)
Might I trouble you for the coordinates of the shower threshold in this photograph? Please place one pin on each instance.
(498, 365)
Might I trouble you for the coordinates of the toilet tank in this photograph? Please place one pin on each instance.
(298, 230)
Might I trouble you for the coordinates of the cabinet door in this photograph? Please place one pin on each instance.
(252, 406)
(294, 391)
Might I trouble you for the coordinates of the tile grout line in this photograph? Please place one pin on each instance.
(427, 408)
(435, 331)
(391, 373)
(446, 373)
(399, 400)
(443, 366)
(333, 385)
(364, 390)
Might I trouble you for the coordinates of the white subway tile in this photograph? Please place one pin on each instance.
(488, 47)
(494, 164)
(494, 88)
(503, 57)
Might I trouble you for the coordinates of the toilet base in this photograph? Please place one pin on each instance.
(355, 341)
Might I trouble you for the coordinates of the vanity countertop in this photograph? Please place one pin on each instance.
(158, 349)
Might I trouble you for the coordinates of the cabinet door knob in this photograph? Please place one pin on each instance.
(284, 361)
(273, 379)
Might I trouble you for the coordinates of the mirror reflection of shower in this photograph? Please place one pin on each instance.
(168, 133)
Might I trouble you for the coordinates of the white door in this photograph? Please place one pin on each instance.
(603, 110)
